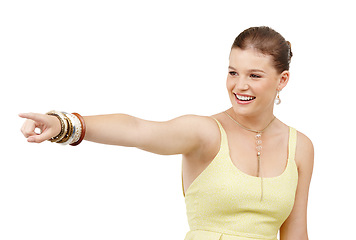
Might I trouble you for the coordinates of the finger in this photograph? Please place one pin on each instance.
(33, 116)
(28, 128)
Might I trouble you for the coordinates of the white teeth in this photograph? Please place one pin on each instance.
(244, 98)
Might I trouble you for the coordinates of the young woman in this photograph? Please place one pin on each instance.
(246, 174)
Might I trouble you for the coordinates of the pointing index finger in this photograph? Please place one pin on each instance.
(33, 116)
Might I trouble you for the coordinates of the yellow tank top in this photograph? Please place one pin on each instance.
(224, 203)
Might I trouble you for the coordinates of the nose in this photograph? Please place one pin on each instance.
(241, 84)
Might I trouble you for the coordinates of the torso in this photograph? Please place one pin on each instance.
(242, 148)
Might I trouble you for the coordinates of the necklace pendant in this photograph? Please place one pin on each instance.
(258, 138)
(258, 143)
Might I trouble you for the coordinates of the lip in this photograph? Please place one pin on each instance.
(243, 102)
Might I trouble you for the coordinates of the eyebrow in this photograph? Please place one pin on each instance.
(250, 70)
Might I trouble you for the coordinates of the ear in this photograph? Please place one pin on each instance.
(283, 80)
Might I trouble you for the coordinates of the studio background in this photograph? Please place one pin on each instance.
(158, 60)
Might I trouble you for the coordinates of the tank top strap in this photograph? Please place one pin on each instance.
(223, 141)
(224, 148)
(292, 143)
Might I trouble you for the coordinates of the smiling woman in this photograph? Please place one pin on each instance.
(253, 77)
(245, 174)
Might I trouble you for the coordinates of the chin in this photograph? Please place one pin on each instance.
(243, 111)
(251, 110)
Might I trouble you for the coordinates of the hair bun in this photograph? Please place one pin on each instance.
(290, 54)
(268, 42)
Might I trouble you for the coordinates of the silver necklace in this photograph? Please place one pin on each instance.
(258, 138)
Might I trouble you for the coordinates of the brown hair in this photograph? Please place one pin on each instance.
(268, 42)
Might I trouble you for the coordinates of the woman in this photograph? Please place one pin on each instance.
(246, 174)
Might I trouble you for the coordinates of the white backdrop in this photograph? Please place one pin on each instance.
(158, 60)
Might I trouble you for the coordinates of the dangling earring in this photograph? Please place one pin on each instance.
(277, 100)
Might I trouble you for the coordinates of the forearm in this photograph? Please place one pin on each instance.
(113, 129)
(177, 136)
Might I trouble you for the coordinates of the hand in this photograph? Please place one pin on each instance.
(50, 126)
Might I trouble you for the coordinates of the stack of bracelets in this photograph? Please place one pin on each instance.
(72, 128)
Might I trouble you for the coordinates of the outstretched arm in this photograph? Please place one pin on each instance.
(181, 135)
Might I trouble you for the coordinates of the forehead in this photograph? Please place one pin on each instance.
(250, 59)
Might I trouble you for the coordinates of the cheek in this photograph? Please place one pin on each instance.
(229, 84)
(266, 92)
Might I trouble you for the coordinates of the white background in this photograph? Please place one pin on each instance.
(158, 60)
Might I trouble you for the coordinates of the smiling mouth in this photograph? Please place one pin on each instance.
(244, 98)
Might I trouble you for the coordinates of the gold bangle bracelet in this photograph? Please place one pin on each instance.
(64, 126)
(69, 130)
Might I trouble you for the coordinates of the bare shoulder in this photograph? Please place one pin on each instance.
(207, 132)
(304, 153)
(205, 126)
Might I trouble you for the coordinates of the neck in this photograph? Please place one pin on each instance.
(256, 123)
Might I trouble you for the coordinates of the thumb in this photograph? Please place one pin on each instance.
(38, 138)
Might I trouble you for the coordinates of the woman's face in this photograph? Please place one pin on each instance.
(252, 82)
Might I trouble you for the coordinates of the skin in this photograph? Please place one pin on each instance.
(197, 138)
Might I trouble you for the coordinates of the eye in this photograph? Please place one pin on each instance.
(232, 73)
(255, 76)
